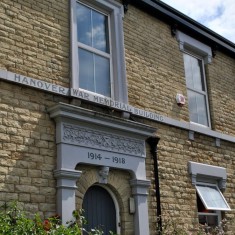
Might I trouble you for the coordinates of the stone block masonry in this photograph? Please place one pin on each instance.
(27, 150)
(34, 42)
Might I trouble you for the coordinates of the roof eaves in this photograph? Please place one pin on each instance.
(185, 22)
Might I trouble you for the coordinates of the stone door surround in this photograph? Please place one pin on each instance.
(85, 136)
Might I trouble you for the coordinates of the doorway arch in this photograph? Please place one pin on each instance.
(89, 137)
(99, 210)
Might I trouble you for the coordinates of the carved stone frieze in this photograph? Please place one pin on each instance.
(102, 140)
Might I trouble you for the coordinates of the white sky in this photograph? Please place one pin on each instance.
(217, 15)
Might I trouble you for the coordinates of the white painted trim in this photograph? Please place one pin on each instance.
(73, 46)
(189, 44)
(94, 50)
(203, 77)
(199, 172)
(204, 174)
(201, 92)
(140, 194)
(204, 200)
(117, 61)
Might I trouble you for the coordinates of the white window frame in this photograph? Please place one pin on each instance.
(107, 55)
(187, 43)
(115, 13)
(200, 51)
(212, 211)
(204, 201)
(215, 214)
(201, 92)
(204, 174)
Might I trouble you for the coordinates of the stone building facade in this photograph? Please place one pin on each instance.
(128, 141)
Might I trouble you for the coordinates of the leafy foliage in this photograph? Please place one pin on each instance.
(174, 227)
(14, 221)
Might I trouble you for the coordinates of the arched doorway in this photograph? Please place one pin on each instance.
(99, 209)
(78, 137)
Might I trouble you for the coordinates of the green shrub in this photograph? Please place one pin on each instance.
(14, 221)
(174, 227)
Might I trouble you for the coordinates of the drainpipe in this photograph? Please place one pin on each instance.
(153, 142)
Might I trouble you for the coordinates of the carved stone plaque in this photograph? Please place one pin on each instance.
(101, 140)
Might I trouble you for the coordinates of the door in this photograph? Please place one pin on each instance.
(99, 209)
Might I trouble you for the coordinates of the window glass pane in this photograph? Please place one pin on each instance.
(194, 73)
(102, 72)
(86, 70)
(210, 220)
(84, 24)
(94, 73)
(201, 208)
(188, 70)
(100, 31)
(197, 108)
(212, 197)
(92, 28)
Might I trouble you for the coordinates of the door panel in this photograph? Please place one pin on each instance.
(99, 210)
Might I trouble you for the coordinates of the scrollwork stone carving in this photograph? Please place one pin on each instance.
(102, 140)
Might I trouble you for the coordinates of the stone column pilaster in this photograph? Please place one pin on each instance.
(66, 188)
(140, 193)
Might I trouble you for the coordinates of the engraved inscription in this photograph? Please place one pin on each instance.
(98, 157)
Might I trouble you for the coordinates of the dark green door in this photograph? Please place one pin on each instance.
(99, 210)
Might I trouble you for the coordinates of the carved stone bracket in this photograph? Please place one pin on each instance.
(174, 29)
(140, 187)
(214, 50)
(125, 4)
(66, 178)
(103, 174)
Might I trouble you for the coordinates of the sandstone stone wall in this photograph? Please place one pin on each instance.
(27, 148)
(155, 69)
(178, 195)
(34, 41)
(155, 72)
(221, 85)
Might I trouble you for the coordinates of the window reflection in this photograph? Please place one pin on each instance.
(197, 108)
(197, 96)
(86, 70)
(94, 72)
(194, 72)
(102, 75)
(84, 24)
(94, 60)
(209, 220)
(100, 34)
(92, 28)
(212, 197)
